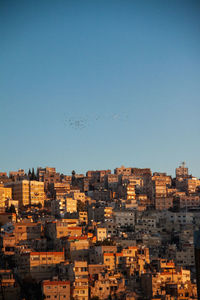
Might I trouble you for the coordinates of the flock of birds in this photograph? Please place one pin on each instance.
(79, 123)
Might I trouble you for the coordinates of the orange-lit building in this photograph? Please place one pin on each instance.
(39, 265)
(27, 192)
(56, 289)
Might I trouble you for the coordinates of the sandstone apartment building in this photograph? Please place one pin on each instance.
(27, 192)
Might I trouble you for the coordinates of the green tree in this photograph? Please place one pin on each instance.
(11, 209)
(73, 178)
(37, 174)
(29, 173)
(39, 205)
(33, 176)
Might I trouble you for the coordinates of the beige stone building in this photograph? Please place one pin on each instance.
(97, 176)
(97, 253)
(59, 189)
(95, 269)
(101, 233)
(130, 191)
(182, 171)
(58, 229)
(27, 231)
(78, 196)
(155, 284)
(36, 192)
(28, 192)
(192, 184)
(5, 194)
(77, 248)
(83, 217)
(123, 171)
(124, 217)
(17, 175)
(63, 205)
(109, 261)
(143, 201)
(159, 188)
(132, 259)
(100, 214)
(8, 243)
(79, 275)
(56, 289)
(107, 285)
(38, 265)
(189, 201)
(185, 257)
(163, 203)
(49, 176)
(111, 181)
(160, 183)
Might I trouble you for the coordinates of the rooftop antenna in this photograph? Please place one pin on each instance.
(183, 164)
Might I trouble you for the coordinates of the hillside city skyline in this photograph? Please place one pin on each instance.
(129, 234)
(112, 170)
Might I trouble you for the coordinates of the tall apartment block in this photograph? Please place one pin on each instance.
(5, 193)
(27, 192)
(182, 171)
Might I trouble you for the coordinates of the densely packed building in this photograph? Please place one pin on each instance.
(122, 235)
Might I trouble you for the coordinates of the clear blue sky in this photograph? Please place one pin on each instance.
(97, 84)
